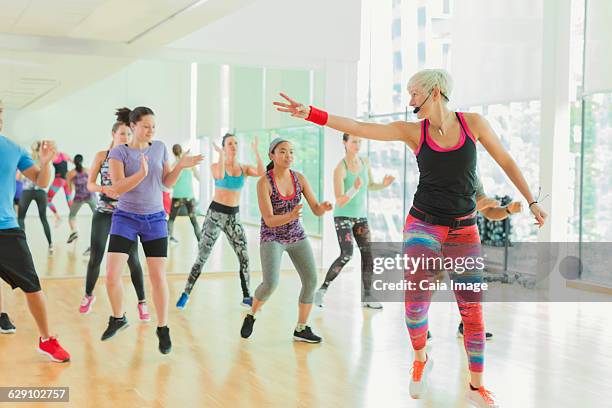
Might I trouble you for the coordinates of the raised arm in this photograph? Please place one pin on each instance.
(374, 186)
(265, 207)
(317, 208)
(42, 175)
(486, 135)
(218, 169)
(407, 132)
(170, 175)
(258, 170)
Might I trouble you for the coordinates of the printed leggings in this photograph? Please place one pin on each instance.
(422, 239)
(58, 183)
(348, 228)
(189, 204)
(214, 223)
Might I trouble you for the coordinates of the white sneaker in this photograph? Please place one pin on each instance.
(372, 304)
(420, 372)
(318, 298)
(482, 398)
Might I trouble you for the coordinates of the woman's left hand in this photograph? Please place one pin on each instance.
(187, 160)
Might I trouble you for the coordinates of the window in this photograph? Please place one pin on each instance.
(307, 141)
(421, 17)
(397, 61)
(396, 28)
(421, 53)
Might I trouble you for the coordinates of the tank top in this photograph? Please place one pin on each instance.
(184, 185)
(234, 183)
(447, 176)
(293, 231)
(81, 193)
(357, 206)
(105, 203)
(60, 164)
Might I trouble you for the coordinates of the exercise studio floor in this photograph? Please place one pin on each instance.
(543, 355)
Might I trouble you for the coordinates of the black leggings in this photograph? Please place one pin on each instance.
(189, 203)
(346, 229)
(100, 228)
(40, 196)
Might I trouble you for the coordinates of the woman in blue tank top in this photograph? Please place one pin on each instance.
(441, 222)
(223, 214)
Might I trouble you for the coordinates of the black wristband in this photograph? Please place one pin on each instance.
(532, 203)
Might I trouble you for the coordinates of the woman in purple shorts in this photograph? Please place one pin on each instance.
(138, 171)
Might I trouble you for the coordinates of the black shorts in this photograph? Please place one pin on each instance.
(157, 248)
(16, 264)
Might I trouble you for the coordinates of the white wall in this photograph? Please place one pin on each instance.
(81, 122)
(317, 29)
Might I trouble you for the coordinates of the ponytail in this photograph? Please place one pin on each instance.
(78, 163)
(270, 166)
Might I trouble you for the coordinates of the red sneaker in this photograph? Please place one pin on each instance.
(52, 349)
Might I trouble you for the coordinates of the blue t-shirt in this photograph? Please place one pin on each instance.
(14, 157)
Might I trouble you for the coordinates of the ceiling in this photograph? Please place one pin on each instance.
(49, 48)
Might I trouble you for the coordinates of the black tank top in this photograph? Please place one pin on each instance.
(61, 169)
(447, 177)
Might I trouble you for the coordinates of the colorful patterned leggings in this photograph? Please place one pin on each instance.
(58, 183)
(425, 240)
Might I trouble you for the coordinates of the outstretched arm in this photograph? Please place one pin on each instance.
(493, 145)
(258, 170)
(407, 132)
(374, 186)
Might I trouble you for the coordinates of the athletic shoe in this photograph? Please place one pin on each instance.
(143, 312)
(52, 349)
(73, 235)
(372, 304)
(6, 326)
(114, 325)
(318, 298)
(306, 335)
(87, 252)
(247, 302)
(482, 398)
(50, 249)
(182, 302)
(420, 372)
(174, 241)
(488, 336)
(247, 326)
(165, 344)
(86, 304)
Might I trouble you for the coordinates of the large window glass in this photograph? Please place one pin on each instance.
(307, 142)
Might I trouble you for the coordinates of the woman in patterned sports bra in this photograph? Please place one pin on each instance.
(441, 222)
(100, 227)
(224, 215)
(279, 194)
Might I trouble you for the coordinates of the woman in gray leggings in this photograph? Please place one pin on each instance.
(279, 194)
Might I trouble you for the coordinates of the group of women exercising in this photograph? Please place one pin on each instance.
(134, 171)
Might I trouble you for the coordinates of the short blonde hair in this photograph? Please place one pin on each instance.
(428, 79)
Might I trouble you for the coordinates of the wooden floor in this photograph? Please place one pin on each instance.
(543, 355)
